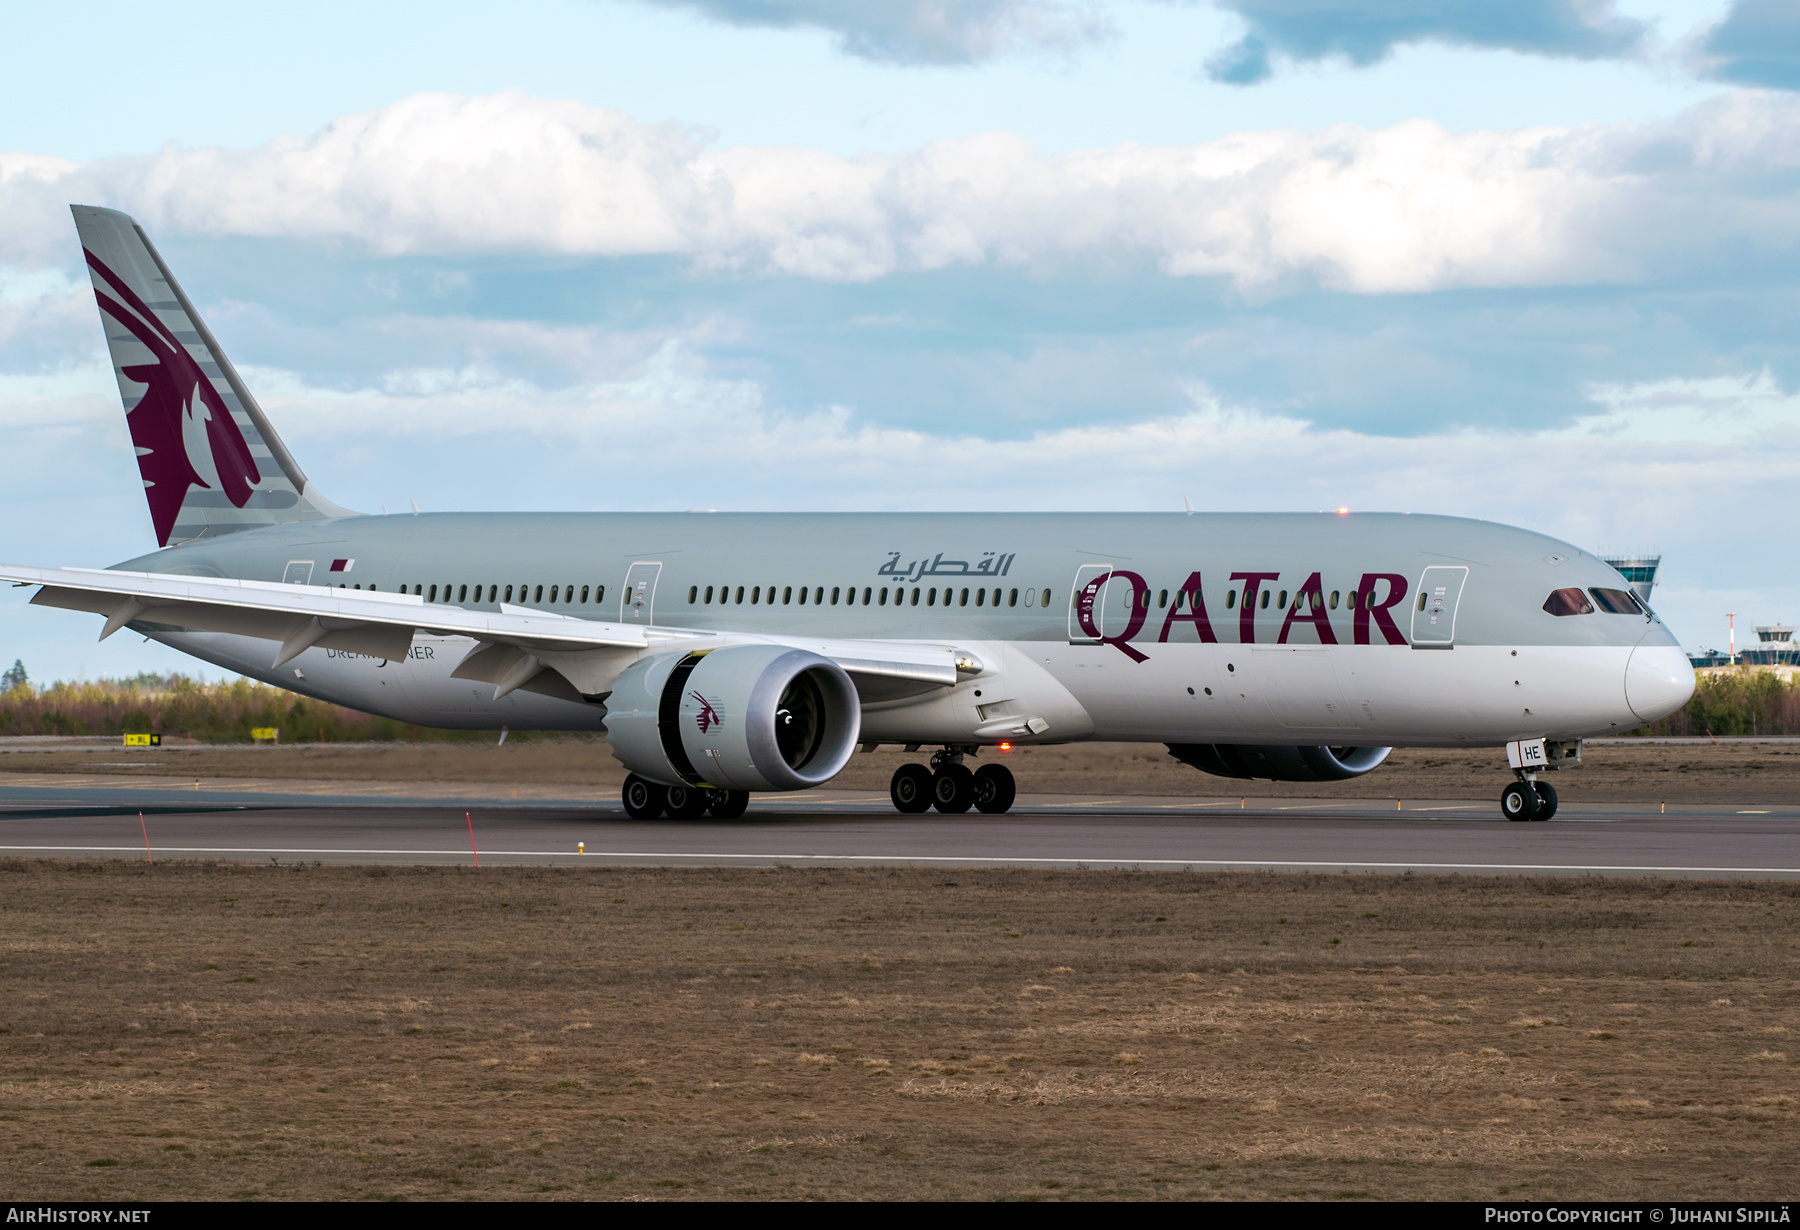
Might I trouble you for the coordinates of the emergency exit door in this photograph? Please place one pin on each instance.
(1434, 610)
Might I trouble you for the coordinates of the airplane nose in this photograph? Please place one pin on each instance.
(1658, 681)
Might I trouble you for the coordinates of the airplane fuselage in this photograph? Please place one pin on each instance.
(1395, 629)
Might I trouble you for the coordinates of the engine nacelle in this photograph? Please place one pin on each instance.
(1280, 764)
(747, 717)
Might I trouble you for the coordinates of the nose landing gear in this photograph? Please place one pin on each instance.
(951, 787)
(1529, 798)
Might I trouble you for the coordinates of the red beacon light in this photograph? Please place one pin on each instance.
(1006, 747)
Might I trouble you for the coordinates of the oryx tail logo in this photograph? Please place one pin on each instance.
(184, 434)
(708, 717)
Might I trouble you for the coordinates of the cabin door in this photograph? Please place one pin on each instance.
(639, 595)
(299, 572)
(1088, 612)
(1434, 610)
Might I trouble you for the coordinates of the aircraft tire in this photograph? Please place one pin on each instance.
(953, 789)
(728, 804)
(644, 799)
(995, 789)
(1546, 794)
(687, 802)
(911, 789)
(1518, 802)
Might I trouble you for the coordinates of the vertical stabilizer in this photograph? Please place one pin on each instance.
(210, 461)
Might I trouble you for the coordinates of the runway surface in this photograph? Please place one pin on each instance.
(845, 828)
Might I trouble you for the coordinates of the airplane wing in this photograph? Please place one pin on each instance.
(513, 644)
(301, 616)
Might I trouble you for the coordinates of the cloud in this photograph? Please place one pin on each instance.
(1758, 43)
(1367, 31)
(920, 31)
(1403, 209)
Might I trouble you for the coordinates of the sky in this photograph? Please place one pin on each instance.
(1533, 261)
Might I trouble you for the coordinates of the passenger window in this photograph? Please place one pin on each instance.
(755, 593)
(981, 597)
(1012, 599)
(883, 596)
(1422, 599)
(462, 593)
(1031, 597)
(740, 595)
(915, 595)
(1281, 603)
(508, 597)
(1230, 598)
(868, 590)
(433, 596)
(1615, 601)
(931, 597)
(709, 593)
(787, 595)
(553, 593)
(818, 595)
(963, 598)
(693, 594)
(584, 594)
(1162, 599)
(1334, 599)
(1046, 597)
(835, 590)
(1568, 602)
(599, 593)
(568, 594)
(540, 595)
(1318, 600)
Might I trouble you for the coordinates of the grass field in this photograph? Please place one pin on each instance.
(235, 1031)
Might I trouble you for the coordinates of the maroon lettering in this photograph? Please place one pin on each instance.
(1140, 591)
(1195, 614)
(1367, 606)
(1247, 608)
(1309, 608)
(1089, 612)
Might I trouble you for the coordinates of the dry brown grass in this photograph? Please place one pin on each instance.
(213, 1031)
(1745, 773)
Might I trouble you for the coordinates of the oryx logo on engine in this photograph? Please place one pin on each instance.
(708, 717)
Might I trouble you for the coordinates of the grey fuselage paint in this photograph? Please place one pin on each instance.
(1149, 643)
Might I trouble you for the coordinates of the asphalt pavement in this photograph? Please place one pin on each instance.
(853, 828)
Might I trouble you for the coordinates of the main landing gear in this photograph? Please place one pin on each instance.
(646, 800)
(951, 787)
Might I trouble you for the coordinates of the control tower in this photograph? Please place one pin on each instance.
(1639, 568)
(1774, 647)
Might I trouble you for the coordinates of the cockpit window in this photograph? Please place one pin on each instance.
(1568, 602)
(1615, 601)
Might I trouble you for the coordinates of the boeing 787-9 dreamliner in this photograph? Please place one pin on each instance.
(725, 654)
